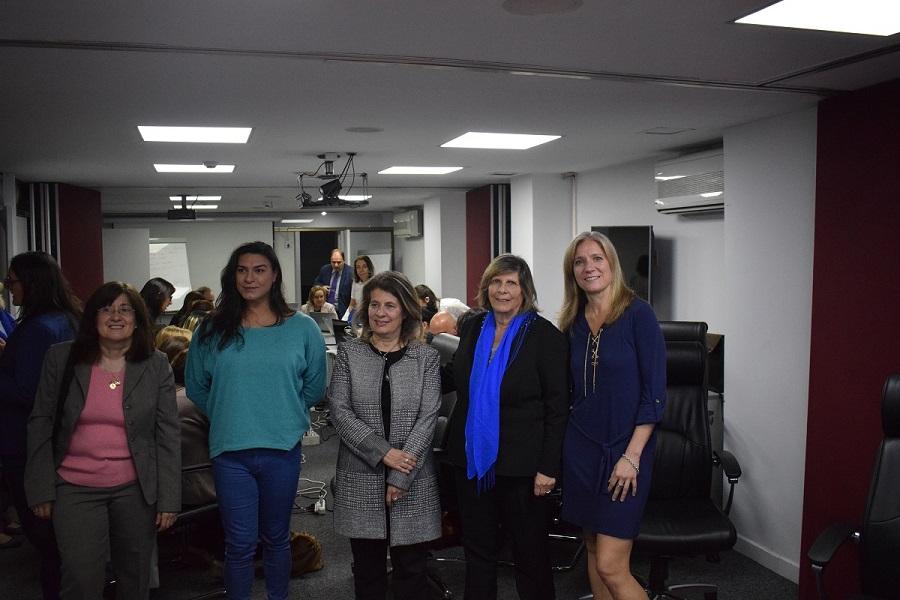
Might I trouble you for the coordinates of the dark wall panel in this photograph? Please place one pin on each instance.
(478, 238)
(80, 238)
(855, 340)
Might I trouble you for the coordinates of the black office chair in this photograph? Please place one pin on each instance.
(879, 538)
(681, 518)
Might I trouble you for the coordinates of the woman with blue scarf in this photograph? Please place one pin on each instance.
(505, 438)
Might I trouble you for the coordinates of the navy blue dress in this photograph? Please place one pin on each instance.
(625, 388)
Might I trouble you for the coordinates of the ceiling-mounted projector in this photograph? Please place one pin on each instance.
(330, 190)
(183, 213)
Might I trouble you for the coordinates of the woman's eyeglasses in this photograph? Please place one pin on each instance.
(124, 310)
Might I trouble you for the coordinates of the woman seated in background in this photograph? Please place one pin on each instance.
(505, 437)
(184, 311)
(157, 294)
(316, 302)
(428, 300)
(48, 314)
(196, 488)
(384, 397)
(200, 309)
(363, 269)
(103, 446)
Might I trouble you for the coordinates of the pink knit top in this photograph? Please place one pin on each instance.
(98, 454)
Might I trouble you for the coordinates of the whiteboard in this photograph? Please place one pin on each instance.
(168, 259)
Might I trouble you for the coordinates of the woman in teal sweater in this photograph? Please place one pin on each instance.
(255, 370)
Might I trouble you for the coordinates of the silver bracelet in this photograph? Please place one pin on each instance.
(633, 466)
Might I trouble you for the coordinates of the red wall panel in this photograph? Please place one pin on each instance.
(855, 341)
(80, 238)
(478, 238)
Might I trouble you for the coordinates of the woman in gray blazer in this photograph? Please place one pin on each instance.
(384, 396)
(103, 446)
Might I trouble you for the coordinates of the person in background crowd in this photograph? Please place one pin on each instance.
(200, 309)
(48, 314)
(384, 398)
(254, 369)
(206, 293)
(157, 294)
(103, 447)
(442, 322)
(7, 321)
(316, 302)
(618, 368)
(428, 300)
(338, 280)
(505, 436)
(363, 270)
(184, 311)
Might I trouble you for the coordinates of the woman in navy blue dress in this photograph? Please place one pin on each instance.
(618, 365)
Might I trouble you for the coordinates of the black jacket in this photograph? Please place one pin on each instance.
(534, 401)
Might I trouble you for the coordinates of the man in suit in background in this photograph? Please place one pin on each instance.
(338, 278)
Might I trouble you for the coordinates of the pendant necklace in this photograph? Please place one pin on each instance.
(592, 348)
(115, 382)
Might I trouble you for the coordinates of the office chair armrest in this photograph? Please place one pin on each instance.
(828, 542)
(729, 464)
(732, 468)
(824, 548)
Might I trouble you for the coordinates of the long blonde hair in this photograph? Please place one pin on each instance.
(574, 297)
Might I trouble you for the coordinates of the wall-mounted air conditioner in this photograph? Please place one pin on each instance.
(408, 224)
(690, 184)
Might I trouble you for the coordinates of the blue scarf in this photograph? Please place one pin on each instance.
(483, 420)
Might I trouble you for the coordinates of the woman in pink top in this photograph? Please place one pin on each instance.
(103, 446)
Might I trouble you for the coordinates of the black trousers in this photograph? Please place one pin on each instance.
(409, 578)
(38, 531)
(511, 503)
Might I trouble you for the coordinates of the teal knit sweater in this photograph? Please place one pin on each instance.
(257, 394)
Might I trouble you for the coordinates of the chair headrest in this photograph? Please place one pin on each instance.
(685, 363)
(890, 406)
(446, 344)
(684, 331)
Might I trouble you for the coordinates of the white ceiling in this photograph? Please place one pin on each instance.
(76, 78)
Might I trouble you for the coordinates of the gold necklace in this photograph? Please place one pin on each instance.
(114, 383)
(593, 348)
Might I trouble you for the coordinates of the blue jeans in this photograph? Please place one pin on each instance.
(256, 490)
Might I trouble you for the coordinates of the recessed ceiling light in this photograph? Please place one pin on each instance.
(418, 170)
(669, 178)
(500, 141)
(160, 168)
(297, 220)
(204, 206)
(869, 17)
(196, 198)
(199, 135)
(324, 213)
(711, 194)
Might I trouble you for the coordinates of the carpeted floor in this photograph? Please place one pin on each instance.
(737, 576)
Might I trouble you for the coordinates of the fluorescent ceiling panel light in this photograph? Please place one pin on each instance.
(204, 206)
(710, 194)
(418, 170)
(669, 177)
(869, 17)
(160, 168)
(297, 220)
(198, 135)
(351, 197)
(499, 141)
(196, 198)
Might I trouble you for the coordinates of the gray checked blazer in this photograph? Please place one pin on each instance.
(151, 424)
(354, 396)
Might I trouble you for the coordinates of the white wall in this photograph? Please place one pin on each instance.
(770, 191)
(209, 243)
(452, 249)
(283, 242)
(126, 255)
(541, 221)
(689, 282)
(409, 258)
